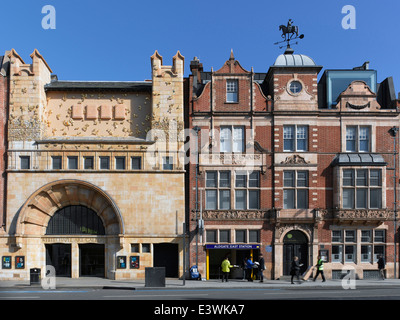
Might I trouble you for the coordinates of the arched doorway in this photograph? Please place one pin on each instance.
(294, 244)
(76, 220)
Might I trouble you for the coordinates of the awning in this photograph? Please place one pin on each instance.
(358, 159)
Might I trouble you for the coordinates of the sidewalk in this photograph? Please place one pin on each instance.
(171, 283)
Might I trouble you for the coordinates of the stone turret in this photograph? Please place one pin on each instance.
(27, 97)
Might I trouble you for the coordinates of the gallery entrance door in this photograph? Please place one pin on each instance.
(295, 244)
(58, 255)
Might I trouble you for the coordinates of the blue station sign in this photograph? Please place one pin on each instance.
(233, 246)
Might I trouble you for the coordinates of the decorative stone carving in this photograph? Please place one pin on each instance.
(234, 215)
(295, 159)
(26, 130)
(363, 214)
(357, 107)
(282, 229)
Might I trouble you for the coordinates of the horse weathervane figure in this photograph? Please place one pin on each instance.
(289, 33)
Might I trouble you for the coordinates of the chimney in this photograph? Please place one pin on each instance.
(196, 68)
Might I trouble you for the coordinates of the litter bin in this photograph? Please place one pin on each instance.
(34, 276)
(154, 277)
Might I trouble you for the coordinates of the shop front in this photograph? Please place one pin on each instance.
(237, 253)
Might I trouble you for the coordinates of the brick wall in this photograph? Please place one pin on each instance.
(3, 144)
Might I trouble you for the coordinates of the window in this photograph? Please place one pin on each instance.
(247, 193)
(136, 163)
(224, 194)
(211, 236)
(337, 253)
(224, 236)
(295, 193)
(344, 250)
(357, 139)
(25, 162)
(245, 190)
(88, 163)
(254, 236)
(220, 189)
(350, 236)
(120, 163)
(366, 253)
(362, 189)
(72, 163)
(295, 87)
(241, 236)
(337, 236)
(231, 91)
(104, 163)
(146, 247)
(168, 163)
(350, 253)
(56, 162)
(295, 138)
(135, 247)
(232, 139)
(366, 236)
(379, 236)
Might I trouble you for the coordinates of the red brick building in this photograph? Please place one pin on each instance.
(4, 85)
(291, 165)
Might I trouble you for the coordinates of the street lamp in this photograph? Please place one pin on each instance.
(393, 132)
(197, 130)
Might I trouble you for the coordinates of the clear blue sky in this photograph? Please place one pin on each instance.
(113, 40)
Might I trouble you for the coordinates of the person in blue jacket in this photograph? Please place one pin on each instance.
(248, 268)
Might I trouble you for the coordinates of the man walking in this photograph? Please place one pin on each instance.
(381, 267)
(261, 267)
(320, 269)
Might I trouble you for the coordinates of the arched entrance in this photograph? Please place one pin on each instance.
(73, 225)
(76, 220)
(294, 244)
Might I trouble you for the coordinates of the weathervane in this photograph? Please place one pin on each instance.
(289, 33)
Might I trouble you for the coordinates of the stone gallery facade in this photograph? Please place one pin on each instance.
(95, 182)
(96, 177)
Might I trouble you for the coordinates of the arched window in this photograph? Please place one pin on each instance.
(75, 220)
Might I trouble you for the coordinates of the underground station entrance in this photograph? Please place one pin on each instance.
(237, 253)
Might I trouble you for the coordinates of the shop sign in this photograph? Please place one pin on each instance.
(233, 246)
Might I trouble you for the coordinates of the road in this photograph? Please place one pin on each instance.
(298, 293)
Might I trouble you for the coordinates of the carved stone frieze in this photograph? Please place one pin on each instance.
(234, 215)
(363, 214)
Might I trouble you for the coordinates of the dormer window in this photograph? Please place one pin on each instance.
(231, 91)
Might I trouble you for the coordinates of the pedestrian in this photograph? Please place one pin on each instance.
(320, 269)
(295, 269)
(226, 268)
(381, 267)
(249, 268)
(261, 267)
